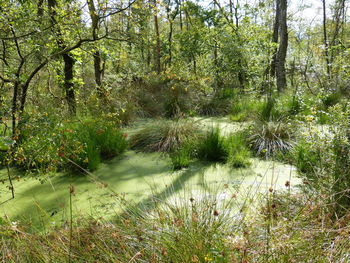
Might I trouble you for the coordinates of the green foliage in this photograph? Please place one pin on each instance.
(87, 142)
(269, 138)
(183, 156)
(164, 136)
(269, 111)
(212, 146)
(331, 99)
(168, 95)
(57, 146)
(244, 108)
(215, 106)
(322, 158)
(237, 150)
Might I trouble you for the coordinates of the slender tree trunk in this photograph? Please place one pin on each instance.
(282, 49)
(68, 61)
(180, 8)
(68, 83)
(170, 40)
(157, 48)
(275, 40)
(325, 40)
(98, 61)
(14, 108)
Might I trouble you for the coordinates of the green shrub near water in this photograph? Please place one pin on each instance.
(270, 138)
(244, 108)
(81, 144)
(238, 153)
(212, 147)
(231, 149)
(183, 156)
(88, 142)
(164, 136)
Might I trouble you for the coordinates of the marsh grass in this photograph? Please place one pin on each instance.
(89, 142)
(212, 146)
(183, 156)
(164, 136)
(269, 138)
(244, 108)
(195, 226)
(238, 153)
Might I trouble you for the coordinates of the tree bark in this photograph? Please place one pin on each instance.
(157, 48)
(68, 83)
(98, 61)
(68, 63)
(275, 40)
(282, 49)
(325, 40)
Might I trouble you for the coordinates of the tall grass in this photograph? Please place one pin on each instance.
(212, 146)
(244, 108)
(270, 138)
(238, 153)
(231, 149)
(90, 141)
(195, 227)
(164, 136)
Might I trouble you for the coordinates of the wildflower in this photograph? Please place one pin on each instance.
(125, 135)
(208, 258)
(216, 213)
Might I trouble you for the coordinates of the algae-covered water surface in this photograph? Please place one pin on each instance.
(134, 177)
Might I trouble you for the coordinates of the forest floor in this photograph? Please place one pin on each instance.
(137, 177)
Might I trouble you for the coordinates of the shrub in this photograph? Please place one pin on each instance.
(5, 145)
(183, 156)
(243, 108)
(38, 148)
(268, 111)
(212, 146)
(215, 106)
(238, 152)
(322, 158)
(88, 142)
(269, 138)
(290, 104)
(164, 136)
(329, 100)
(306, 157)
(83, 143)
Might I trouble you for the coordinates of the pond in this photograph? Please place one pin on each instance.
(135, 177)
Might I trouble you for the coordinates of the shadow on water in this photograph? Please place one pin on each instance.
(178, 184)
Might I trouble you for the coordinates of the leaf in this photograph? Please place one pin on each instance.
(5, 143)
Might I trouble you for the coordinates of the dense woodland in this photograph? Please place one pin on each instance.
(86, 85)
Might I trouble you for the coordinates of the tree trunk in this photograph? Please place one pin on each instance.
(282, 49)
(325, 40)
(157, 48)
(170, 42)
(68, 83)
(68, 62)
(99, 69)
(14, 108)
(275, 40)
